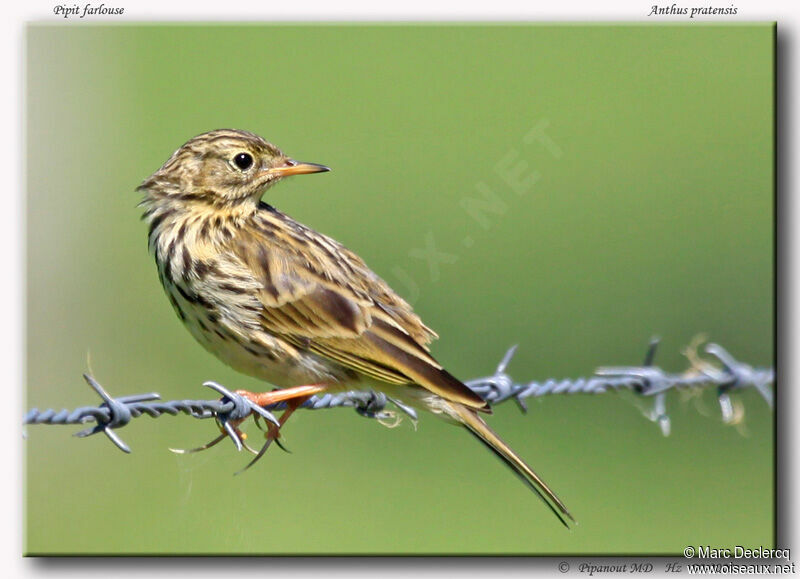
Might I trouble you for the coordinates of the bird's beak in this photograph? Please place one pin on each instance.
(293, 167)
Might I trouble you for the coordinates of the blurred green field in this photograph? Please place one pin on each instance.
(651, 213)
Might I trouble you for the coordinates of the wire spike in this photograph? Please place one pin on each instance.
(501, 367)
(233, 435)
(114, 437)
(650, 355)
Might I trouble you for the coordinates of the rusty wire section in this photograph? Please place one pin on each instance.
(720, 370)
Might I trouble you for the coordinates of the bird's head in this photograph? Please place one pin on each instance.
(224, 167)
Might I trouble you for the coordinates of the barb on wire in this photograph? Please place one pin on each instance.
(722, 371)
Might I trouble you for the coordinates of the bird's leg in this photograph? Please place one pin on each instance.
(265, 399)
(273, 431)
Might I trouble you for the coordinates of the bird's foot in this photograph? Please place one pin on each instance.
(271, 432)
(294, 398)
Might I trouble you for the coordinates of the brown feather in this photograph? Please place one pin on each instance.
(346, 314)
(476, 425)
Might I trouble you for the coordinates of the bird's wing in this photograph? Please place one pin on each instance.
(326, 300)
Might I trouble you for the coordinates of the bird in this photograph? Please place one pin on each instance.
(278, 301)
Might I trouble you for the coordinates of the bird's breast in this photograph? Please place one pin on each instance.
(220, 307)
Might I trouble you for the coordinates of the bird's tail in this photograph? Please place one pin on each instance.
(480, 430)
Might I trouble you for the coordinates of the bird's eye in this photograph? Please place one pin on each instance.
(243, 160)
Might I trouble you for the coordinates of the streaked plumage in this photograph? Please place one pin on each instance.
(278, 301)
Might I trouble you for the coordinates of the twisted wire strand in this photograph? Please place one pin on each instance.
(723, 371)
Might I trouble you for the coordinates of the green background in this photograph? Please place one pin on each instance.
(656, 218)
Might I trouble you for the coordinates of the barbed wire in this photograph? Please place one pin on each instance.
(722, 371)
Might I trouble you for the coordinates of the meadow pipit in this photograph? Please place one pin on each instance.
(278, 301)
